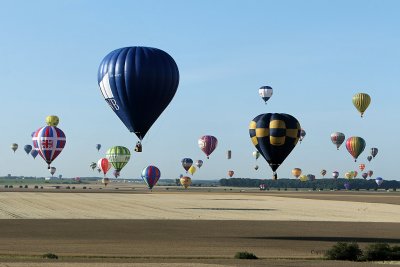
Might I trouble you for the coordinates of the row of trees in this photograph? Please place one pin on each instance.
(318, 183)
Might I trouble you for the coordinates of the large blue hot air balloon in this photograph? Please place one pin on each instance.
(138, 83)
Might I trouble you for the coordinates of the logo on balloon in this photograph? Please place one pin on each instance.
(105, 88)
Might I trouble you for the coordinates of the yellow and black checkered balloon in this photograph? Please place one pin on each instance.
(274, 135)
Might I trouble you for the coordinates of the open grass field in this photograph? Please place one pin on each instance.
(199, 227)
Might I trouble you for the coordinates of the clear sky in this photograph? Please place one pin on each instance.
(315, 54)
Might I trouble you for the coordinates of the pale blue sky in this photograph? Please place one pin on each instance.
(315, 54)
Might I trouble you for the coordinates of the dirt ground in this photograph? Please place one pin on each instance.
(189, 242)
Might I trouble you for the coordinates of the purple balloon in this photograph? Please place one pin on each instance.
(347, 185)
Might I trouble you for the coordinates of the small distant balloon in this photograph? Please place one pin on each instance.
(186, 181)
(14, 147)
(265, 93)
(337, 139)
(52, 120)
(98, 146)
(34, 153)
(361, 101)
(28, 149)
(296, 172)
(192, 170)
(208, 144)
(231, 173)
(355, 145)
(335, 174)
(379, 180)
(374, 152)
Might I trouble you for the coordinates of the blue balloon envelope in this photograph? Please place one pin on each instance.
(138, 83)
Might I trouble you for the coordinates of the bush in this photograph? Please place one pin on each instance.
(394, 189)
(50, 256)
(20, 186)
(26, 186)
(6, 186)
(245, 255)
(378, 252)
(36, 187)
(395, 253)
(11, 186)
(344, 251)
(84, 187)
(41, 187)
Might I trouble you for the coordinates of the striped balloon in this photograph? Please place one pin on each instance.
(361, 101)
(231, 173)
(337, 139)
(265, 92)
(355, 145)
(118, 156)
(186, 163)
(208, 144)
(150, 175)
(323, 172)
(374, 152)
(49, 141)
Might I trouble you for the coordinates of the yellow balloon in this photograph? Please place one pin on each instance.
(303, 178)
(361, 101)
(192, 170)
(185, 181)
(52, 120)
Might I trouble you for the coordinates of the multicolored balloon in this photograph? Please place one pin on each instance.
(296, 172)
(374, 152)
(379, 180)
(355, 173)
(28, 149)
(323, 172)
(274, 135)
(370, 173)
(335, 174)
(302, 135)
(14, 147)
(265, 92)
(364, 175)
(361, 101)
(133, 79)
(185, 181)
(52, 120)
(118, 156)
(192, 170)
(151, 175)
(348, 175)
(337, 139)
(104, 165)
(199, 163)
(93, 165)
(208, 144)
(361, 166)
(355, 145)
(186, 163)
(49, 141)
(231, 173)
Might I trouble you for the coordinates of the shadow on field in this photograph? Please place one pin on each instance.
(328, 239)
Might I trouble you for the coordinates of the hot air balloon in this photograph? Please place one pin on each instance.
(369, 158)
(93, 165)
(229, 154)
(105, 181)
(337, 139)
(49, 141)
(323, 172)
(379, 180)
(52, 170)
(265, 92)
(370, 173)
(311, 177)
(98, 146)
(192, 170)
(185, 181)
(231, 173)
(303, 178)
(296, 172)
(364, 175)
(256, 167)
(347, 185)
(104, 165)
(355, 173)
(116, 174)
(361, 101)
(374, 152)
(28, 149)
(208, 144)
(274, 135)
(150, 176)
(348, 175)
(361, 166)
(14, 147)
(302, 135)
(355, 145)
(118, 156)
(34, 153)
(52, 120)
(138, 83)
(256, 154)
(186, 163)
(335, 174)
(199, 163)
